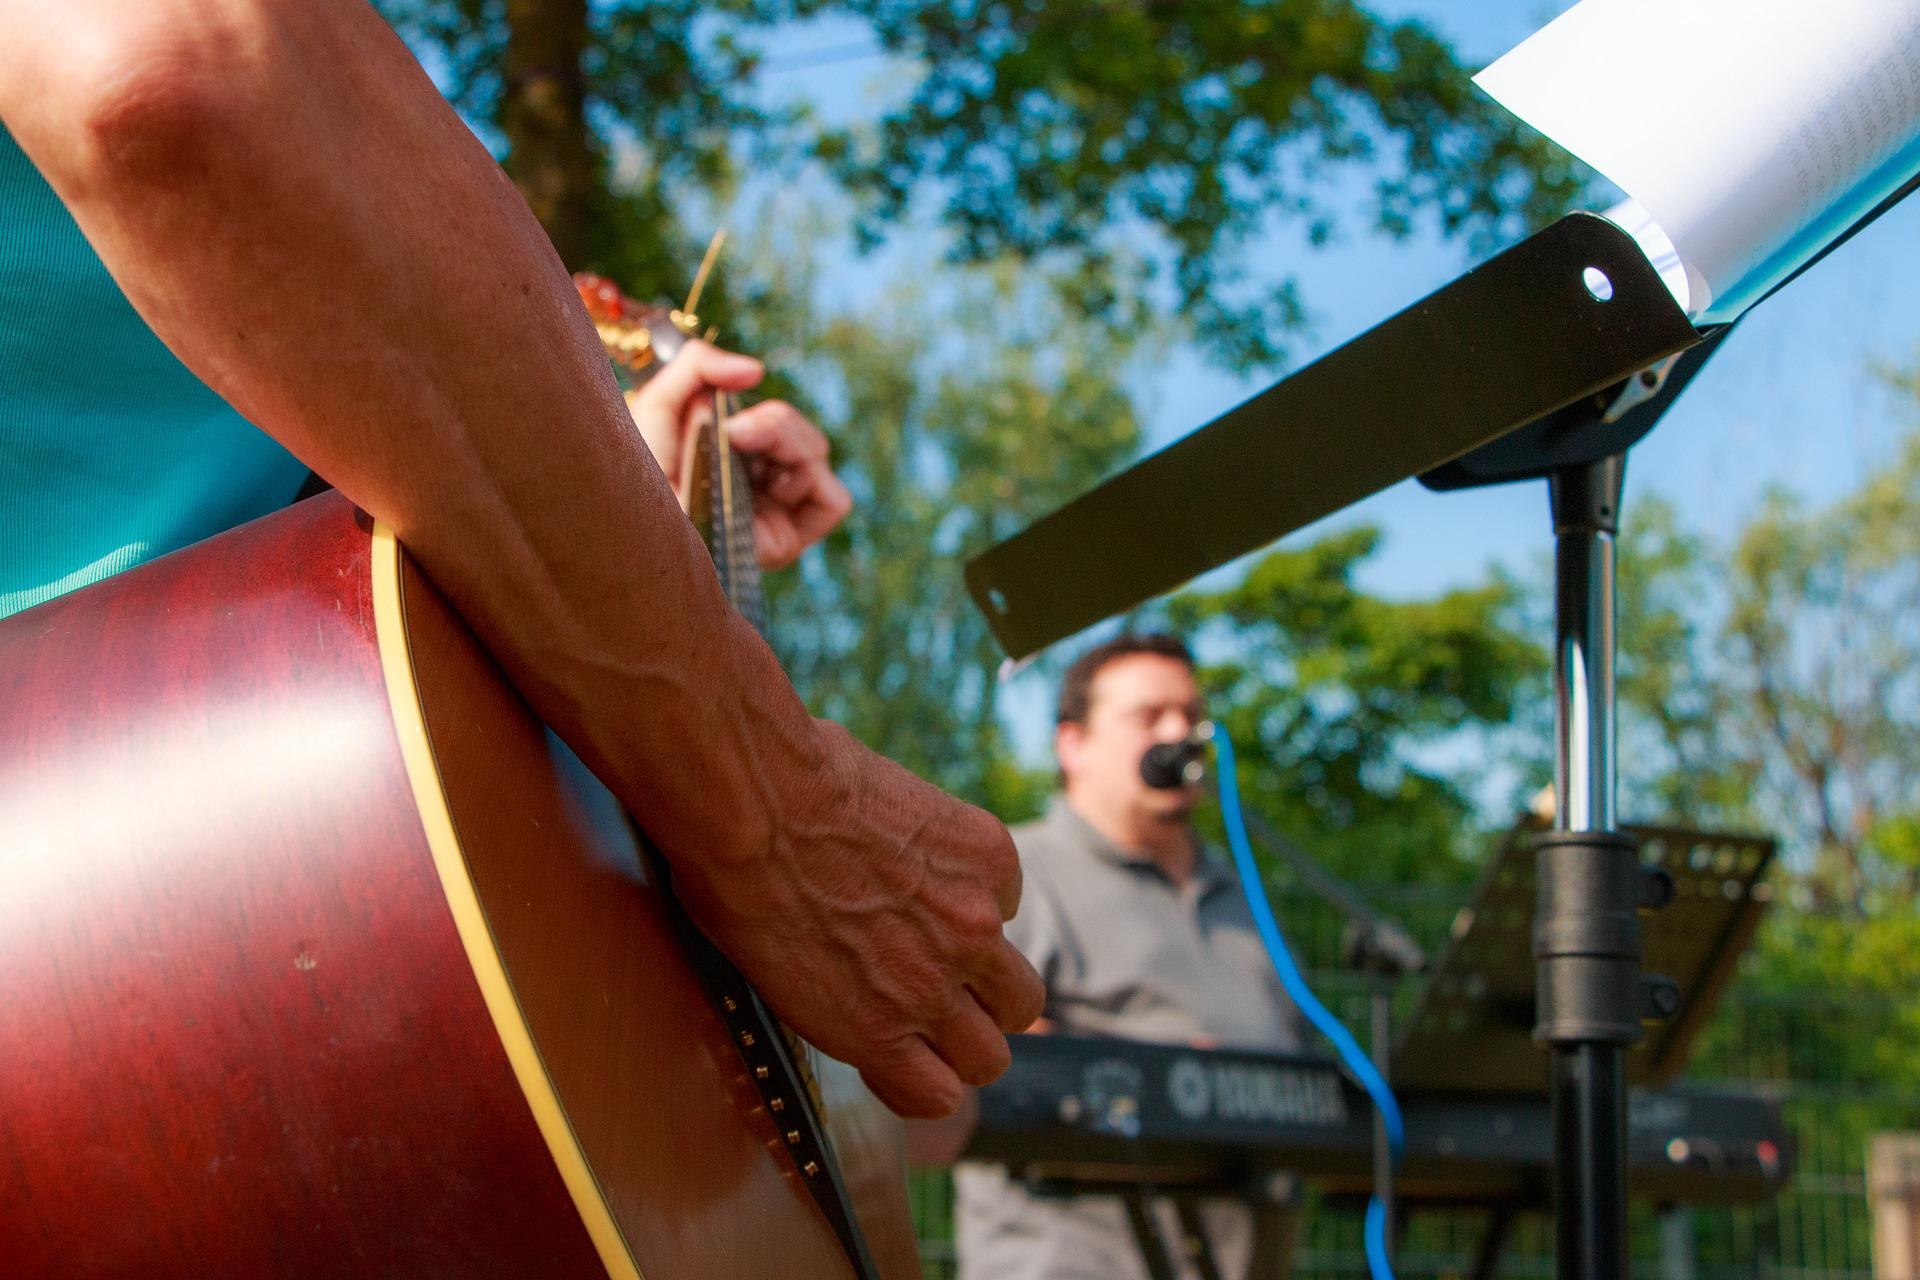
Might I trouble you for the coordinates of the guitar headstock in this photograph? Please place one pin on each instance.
(638, 337)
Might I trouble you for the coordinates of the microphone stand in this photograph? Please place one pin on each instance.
(1374, 945)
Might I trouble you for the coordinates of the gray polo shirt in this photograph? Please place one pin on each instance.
(1126, 952)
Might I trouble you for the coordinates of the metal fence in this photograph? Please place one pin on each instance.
(1805, 1049)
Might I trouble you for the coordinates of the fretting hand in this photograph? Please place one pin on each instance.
(797, 499)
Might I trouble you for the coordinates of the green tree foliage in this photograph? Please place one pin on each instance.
(1774, 683)
(562, 87)
(1365, 725)
(1079, 133)
(1071, 125)
(1824, 637)
(1777, 682)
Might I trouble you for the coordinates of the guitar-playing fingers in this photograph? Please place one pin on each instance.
(969, 1042)
(798, 499)
(910, 1078)
(778, 432)
(1008, 989)
(796, 508)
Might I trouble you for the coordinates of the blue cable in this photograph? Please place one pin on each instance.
(1378, 1264)
(1357, 1062)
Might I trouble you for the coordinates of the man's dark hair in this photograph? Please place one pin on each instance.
(1076, 687)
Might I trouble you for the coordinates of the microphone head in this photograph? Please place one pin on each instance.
(1167, 766)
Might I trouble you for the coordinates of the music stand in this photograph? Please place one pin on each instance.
(1560, 335)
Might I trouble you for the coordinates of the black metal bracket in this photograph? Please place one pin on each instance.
(1603, 425)
(1506, 344)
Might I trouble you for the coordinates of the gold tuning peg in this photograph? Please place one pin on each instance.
(686, 319)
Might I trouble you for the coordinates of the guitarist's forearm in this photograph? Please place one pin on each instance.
(288, 201)
(296, 211)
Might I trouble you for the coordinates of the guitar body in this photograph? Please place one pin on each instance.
(320, 957)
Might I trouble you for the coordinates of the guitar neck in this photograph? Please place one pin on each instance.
(727, 525)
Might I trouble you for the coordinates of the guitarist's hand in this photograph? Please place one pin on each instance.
(872, 924)
(797, 500)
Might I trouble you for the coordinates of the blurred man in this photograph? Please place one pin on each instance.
(1138, 930)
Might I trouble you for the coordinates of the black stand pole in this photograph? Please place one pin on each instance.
(1586, 928)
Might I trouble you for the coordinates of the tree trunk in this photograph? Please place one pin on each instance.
(550, 154)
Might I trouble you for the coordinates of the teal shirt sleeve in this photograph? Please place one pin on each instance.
(111, 451)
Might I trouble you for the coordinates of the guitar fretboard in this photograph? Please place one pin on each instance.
(728, 523)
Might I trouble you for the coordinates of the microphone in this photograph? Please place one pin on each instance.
(1170, 765)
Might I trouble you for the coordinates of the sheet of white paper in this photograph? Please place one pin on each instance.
(1753, 131)
(1631, 218)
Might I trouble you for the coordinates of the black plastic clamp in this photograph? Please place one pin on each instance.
(1586, 938)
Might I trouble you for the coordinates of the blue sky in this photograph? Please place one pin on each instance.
(1789, 401)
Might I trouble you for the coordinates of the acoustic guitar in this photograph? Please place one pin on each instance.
(321, 957)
